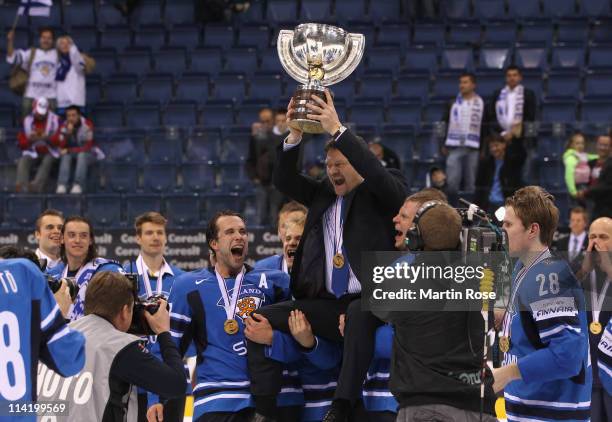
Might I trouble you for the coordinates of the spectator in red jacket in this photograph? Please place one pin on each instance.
(37, 140)
(76, 142)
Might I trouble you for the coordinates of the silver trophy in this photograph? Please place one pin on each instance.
(317, 56)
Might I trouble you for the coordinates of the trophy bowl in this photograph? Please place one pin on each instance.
(316, 55)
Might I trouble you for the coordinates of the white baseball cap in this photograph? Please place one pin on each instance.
(41, 106)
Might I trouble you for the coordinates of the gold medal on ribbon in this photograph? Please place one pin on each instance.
(595, 327)
(504, 344)
(230, 326)
(338, 260)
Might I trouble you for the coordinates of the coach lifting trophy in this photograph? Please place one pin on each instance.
(317, 55)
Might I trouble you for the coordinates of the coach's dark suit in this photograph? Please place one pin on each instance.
(368, 226)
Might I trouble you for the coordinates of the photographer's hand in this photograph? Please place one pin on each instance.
(155, 413)
(62, 296)
(160, 320)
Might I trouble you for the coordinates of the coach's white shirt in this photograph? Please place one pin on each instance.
(50, 262)
(71, 91)
(41, 82)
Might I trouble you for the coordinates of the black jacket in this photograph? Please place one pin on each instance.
(601, 192)
(509, 174)
(368, 213)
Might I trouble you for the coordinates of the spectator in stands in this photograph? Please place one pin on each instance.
(464, 118)
(48, 234)
(576, 161)
(70, 76)
(437, 179)
(601, 192)
(498, 174)
(510, 108)
(36, 140)
(126, 7)
(603, 152)
(266, 135)
(76, 141)
(386, 156)
(40, 64)
(577, 240)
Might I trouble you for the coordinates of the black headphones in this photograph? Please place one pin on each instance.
(414, 239)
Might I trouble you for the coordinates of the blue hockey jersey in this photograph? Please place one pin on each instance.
(605, 358)
(274, 262)
(376, 394)
(33, 329)
(85, 273)
(170, 272)
(197, 314)
(549, 342)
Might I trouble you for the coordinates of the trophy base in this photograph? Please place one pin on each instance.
(301, 97)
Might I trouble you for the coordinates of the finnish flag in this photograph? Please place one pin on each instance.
(35, 7)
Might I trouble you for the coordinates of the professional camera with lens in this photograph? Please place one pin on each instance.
(139, 325)
(55, 284)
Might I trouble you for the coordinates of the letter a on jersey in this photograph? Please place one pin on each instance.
(263, 283)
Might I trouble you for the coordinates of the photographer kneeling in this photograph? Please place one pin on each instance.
(437, 354)
(116, 362)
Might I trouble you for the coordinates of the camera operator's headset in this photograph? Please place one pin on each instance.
(414, 238)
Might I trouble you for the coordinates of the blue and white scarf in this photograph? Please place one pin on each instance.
(506, 117)
(465, 122)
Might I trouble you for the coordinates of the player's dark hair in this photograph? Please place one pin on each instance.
(212, 230)
(107, 293)
(92, 251)
(281, 110)
(580, 210)
(45, 213)
(12, 252)
(149, 217)
(75, 108)
(513, 67)
(44, 29)
(533, 204)
(468, 75)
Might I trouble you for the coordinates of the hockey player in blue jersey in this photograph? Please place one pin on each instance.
(209, 307)
(80, 260)
(34, 329)
(546, 373)
(605, 359)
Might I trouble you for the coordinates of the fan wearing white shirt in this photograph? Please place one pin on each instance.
(48, 235)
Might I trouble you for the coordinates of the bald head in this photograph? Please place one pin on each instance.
(601, 231)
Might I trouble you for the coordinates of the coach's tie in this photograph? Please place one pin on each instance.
(340, 271)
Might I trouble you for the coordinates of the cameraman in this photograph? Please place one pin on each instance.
(435, 351)
(117, 361)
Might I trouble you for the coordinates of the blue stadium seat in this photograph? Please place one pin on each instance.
(563, 85)
(269, 61)
(428, 34)
(528, 57)
(559, 8)
(185, 36)
(598, 85)
(550, 147)
(524, 9)
(315, 10)
(198, 177)
(601, 32)
(533, 81)
(235, 146)
(253, 14)
(385, 11)
(494, 57)
(241, 60)
(413, 87)
(500, 32)
(595, 8)
(400, 140)
(68, 205)
(181, 12)
(135, 61)
(464, 34)
(22, 210)
(103, 210)
(456, 9)
(368, 30)
(181, 114)
(117, 37)
(8, 177)
(213, 203)
(206, 60)
(367, 113)
(217, 114)
(159, 178)
(145, 115)
(344, 89)
(394, 35)
(405, 113)
(148, 13)
(85, 37)
(139, 204)
(346, 10)
(572, 31)
(446, 86)
(384, 59)
(266, 87)
(7, 116)
(230, 87)
(164, 151)
(421, 58)
(257, 36)
(79, 13)
(281, 11)
(218, 36)
(156, 89)
(566, 56)
(123, 149)
(203, 146)
(233, 177)
(313, 150)
(121, 177)
(248, 111)
(434, 111)
(597, 111)
(108, 115)
(193, 88)
(600, 56)
(427, 147)
(537, 31)
(106, 61)
(183, 209)
(559, 111)
(489, 9)
(121, 90)
(551, 174)
(108, 15)
(22, 37)
(153, 37)
(376, 87)
(171, 60)
(457, 59)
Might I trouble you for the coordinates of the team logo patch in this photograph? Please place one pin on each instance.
(554, 308)
(249, 300)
